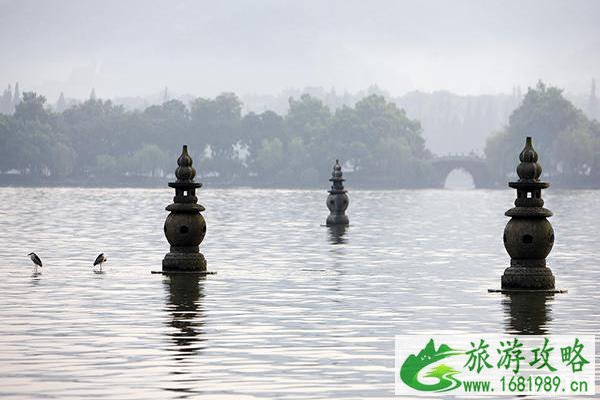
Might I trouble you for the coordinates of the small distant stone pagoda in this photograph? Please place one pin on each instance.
(337, 201)
(528, 236)
(184, 227)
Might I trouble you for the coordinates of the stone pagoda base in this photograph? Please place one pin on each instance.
(186, 262)
(528, 275)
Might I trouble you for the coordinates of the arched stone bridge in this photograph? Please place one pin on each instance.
(474, 165)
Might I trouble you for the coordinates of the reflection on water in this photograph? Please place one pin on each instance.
(184, 306)
(527, 313)
(336, 234)
(35, 278)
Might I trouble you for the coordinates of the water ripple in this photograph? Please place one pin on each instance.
(296, 310)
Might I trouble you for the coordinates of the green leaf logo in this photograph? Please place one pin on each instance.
(413, 365)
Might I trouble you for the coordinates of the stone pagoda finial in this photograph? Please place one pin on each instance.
(185, 171)
(528, 236)
(529, 169)
(185, 227)
(337, 201)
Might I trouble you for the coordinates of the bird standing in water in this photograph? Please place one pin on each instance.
(99, 261)
(36, 262)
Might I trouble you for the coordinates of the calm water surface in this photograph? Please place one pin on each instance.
(295, 310)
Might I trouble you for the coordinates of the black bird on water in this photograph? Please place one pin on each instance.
(99, 260)
(36, 261)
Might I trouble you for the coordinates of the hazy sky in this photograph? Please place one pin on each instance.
(206, 47)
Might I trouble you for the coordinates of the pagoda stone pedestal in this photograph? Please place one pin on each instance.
(185, 227)
(528, 236)
(337, 201)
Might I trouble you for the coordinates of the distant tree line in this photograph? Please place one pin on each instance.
(99, 140)
(568, 142)
(451, 123)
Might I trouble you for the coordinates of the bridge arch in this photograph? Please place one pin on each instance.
(459, 178)
(476, 166)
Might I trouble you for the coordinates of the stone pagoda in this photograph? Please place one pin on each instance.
(528, 236)
(337, 201)
(184, 227)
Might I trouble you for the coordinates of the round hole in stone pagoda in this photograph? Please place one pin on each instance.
(527, 239)
(184, 229)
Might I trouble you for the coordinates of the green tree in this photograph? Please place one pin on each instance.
(107, 165)
(270, 156)
(309, 119)
(593, 107)
(149, 159)
(217, 123)
(98, 127)
(6, 139)
(37, 144)
(256, 128)
(99, 138)
(32, 108)
(564, 138)
(168, 126)
(377, 136)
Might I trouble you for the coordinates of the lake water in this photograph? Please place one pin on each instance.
(295, 311)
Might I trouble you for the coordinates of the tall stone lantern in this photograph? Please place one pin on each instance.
(528, 236)
(184, 227)
(337, 201)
